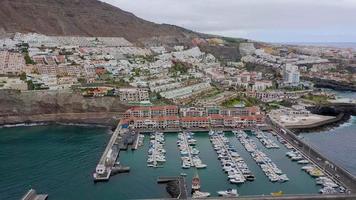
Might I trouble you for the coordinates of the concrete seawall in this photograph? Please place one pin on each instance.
(318, 124)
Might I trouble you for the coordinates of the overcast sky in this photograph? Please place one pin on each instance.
(265, 20)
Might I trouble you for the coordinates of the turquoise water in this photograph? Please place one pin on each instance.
(59, 160)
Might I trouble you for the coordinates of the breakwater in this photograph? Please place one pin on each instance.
(334, 170)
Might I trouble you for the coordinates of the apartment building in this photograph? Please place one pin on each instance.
(11, 63)
(133, 94)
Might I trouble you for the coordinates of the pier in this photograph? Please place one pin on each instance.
(184, 134)
(337, 173)
(107, 161)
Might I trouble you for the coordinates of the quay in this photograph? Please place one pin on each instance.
(334, 171)
(107, 165)
(294, 197)
(182, 186)
(32, 195)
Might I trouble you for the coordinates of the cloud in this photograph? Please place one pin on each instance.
(269, 20)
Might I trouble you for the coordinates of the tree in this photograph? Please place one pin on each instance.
(30, 85)
(23, 76)
(28, 60)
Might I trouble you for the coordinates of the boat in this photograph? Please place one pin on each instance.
(277, 194)
(228, 193)
(200, 195)
(183, 174)
(327, 190)
(303, 162)
(196, 183)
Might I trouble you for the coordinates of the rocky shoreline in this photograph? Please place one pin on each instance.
(331, 84)
(108, 119)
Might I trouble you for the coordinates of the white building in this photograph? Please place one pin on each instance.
(291, 75)
(133, 94)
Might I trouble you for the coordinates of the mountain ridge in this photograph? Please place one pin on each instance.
(81, 18)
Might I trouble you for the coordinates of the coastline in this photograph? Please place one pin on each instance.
(104, 119)
(323, 126)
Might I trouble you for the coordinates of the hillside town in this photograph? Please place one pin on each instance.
(180, 75)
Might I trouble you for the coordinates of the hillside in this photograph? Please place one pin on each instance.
(80, 18)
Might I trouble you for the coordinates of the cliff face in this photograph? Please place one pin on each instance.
(79, 18)
(51, 106)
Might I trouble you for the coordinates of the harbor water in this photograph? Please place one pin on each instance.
(60, 160)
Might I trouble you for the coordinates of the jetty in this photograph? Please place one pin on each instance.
(107, 163)
(185, 140)
(32, 195)
(334, 171)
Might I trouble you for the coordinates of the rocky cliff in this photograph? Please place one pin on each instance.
(46, 106)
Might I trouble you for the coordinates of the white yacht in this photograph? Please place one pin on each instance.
(228, 193)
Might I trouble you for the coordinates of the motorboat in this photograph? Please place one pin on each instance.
(200, 195)
(303, 162)
(228, 193)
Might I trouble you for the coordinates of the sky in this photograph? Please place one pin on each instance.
(300, 21)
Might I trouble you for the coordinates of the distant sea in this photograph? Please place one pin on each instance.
(328, 44)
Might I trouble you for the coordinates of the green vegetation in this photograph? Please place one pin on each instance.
(82, 80)
(179, 68)
(318, 99)
(137, 72)
(232, 102)
(247, 101)
(277, 104)
(23, 76)
(212, 93)
(119, 83)
(28, 59)
(30, 85)
(157, 99)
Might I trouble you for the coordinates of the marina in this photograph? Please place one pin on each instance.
(189, 153)
(267, 165)
(143, 178)
(265, 140)
(231, 161)
(156, 152)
